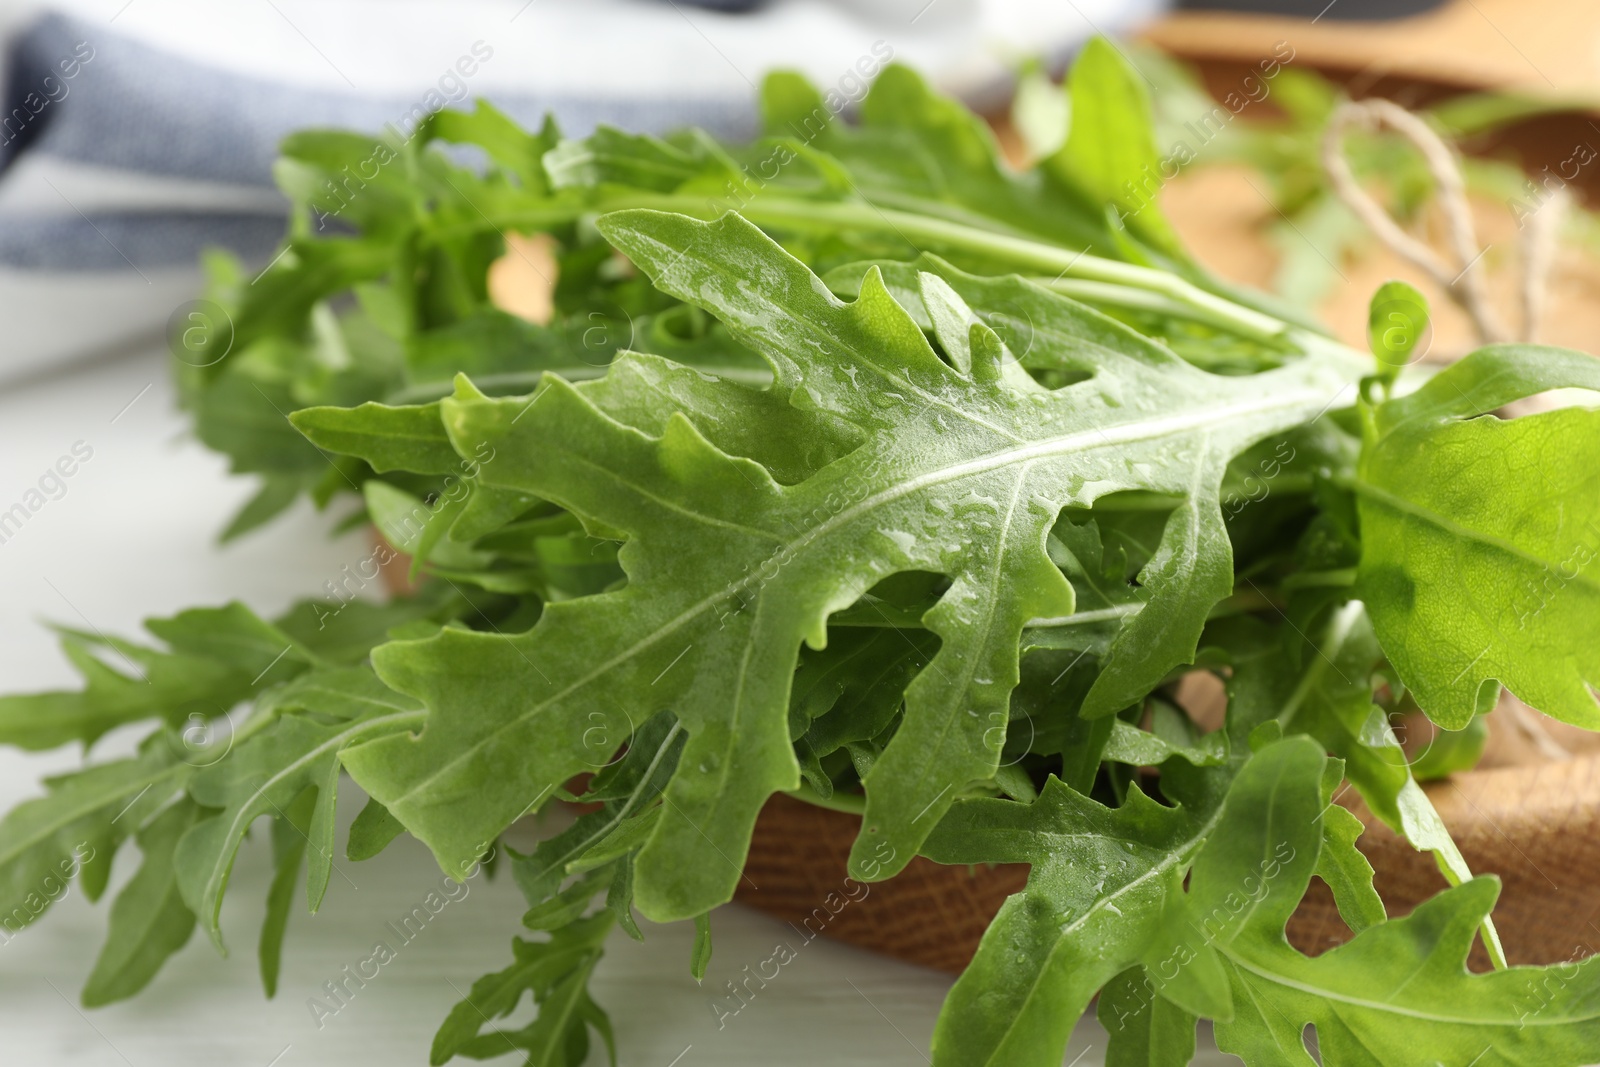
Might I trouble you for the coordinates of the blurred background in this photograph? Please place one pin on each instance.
(135, 134)
(138, 132)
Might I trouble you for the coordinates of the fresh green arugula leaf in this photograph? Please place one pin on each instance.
(920, 151)
(1330, 697)
(248, 420)
(556, 972)
(1091, 909)
(1141, 748)
(265, 773)
(1404, 984)
(626, 787)
(701, 957)
(276, 495)
(344, 631)
(568, 904)
(289, 841)
(149, 920)
(373, 830)
(619, 898)
(215, 658)
(1479, 537)
(75, 827)
(508, 144)
(1144, 1028)
(1110, 151)
(1347, 872)
(1397, 320)
(611, 157)
(388, 438)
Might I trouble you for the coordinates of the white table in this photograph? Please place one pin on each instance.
(134, 536)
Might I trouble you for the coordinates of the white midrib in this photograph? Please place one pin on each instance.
(1079, 441)
(1325, 993)
(1083, 618)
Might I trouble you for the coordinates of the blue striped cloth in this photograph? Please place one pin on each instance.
(135, 109)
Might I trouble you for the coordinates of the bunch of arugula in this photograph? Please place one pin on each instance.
(913, 487)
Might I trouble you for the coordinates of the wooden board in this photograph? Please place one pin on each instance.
(1550, 48)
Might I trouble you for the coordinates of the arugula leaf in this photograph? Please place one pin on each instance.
(1091, 908)
(289, 841)
(1393, 982)
(1405, 984)
(265, 774)
(701, 957)
(1144, 1028)
(567, 905)
(1397, 319)
(1141, 748)
(373, 830)
(610, 156)
(1347, 872)
(503, 351)
(556, 972)
(388, 438)
(1478, 537)
(216, 657)
(74, 829)
(343, 632)
(627, 788)
(277, 494)
(925, 153)
(149, 920)
(1110, 151)
(508, 144)
(1330, 697)
(646, 392)
(247, 419)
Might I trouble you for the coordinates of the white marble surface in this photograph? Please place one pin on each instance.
(134, 536)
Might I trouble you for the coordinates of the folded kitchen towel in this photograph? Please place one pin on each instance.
(134, 133)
